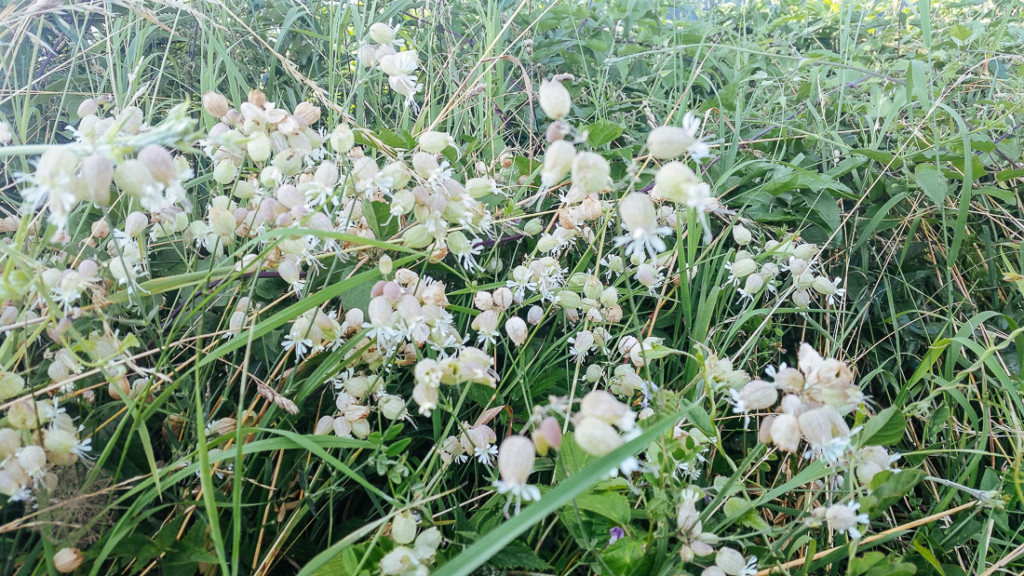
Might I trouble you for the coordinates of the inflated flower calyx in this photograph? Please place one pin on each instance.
(558, 160)
(591, 172)
(596, 437)
(516, 330)
(675, 182)
(515, 460)
(669, 142)
(554, 99)
(381, 33)
(741, 235)
(435, 142)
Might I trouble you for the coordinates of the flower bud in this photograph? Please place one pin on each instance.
(554, 99)
(88, 107)
(534, 315)
(753, 284)
(638, 213)
(486, 322)
(547, 435)
(743, 268)
(67, 560)
(381, 33)
(10, 386)
(596, 437)
(258, 147)
(503, 298)
(805, 252)
(401, 560)
(823, 285)
(816, 426)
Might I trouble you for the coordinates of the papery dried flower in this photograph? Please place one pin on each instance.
(215, 104)
(67, 560)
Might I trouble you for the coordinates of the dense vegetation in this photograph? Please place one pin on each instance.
(612, 287)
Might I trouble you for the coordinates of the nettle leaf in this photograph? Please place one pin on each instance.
(885, 428)
(602, 132)
(931, 181)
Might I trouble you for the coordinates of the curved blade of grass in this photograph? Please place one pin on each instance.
(473, 557)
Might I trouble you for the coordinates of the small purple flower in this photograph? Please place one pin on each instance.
(614, 534)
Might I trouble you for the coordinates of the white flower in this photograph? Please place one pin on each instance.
(641, 219)
(301, 345)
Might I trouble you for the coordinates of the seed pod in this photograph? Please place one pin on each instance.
(67, 560)
(215, 104)
(307, 112)
(554, 99)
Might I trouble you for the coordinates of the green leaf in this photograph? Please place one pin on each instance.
(889, 487)
(625, 556)
(885, 428)
(611, 505)
(602, 132)
(932, 182)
